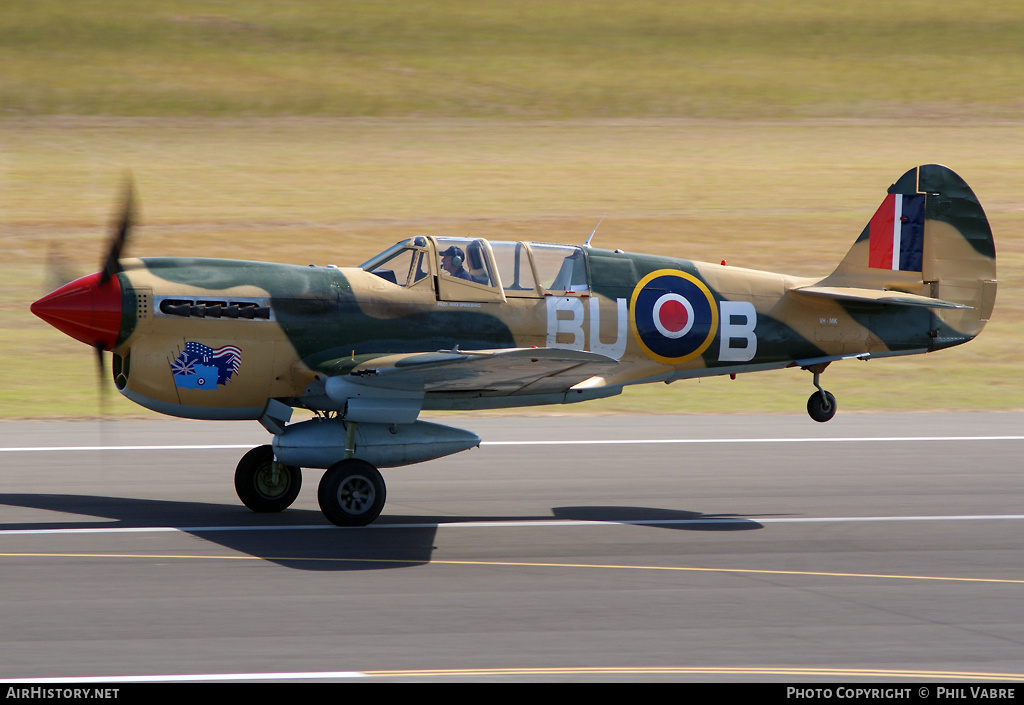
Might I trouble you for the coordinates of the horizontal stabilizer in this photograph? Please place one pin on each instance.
(876, 296)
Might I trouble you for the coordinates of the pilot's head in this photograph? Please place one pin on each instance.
(452, 259)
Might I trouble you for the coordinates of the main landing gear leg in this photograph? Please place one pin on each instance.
(821, 405)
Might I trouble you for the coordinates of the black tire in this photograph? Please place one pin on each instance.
(352, 493)
(261, 486)
(821, 410)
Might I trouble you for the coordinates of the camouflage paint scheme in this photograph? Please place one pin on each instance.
(348, 322)
(369, 347)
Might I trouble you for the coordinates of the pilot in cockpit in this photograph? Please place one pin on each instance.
(451, 263)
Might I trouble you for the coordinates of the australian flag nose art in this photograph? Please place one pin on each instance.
(203, 367)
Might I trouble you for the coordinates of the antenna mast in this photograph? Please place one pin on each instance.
(587, 243)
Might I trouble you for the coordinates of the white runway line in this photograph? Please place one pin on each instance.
(506, 524)
(620, 441)
(76, 449)
(836, 439)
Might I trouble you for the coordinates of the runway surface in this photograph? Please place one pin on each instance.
(874, 547)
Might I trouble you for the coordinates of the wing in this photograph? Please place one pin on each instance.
(486, 372)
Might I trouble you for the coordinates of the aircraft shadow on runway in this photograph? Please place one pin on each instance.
(663, 518)
(302, 539)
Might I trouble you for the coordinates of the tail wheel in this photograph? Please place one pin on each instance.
(265, 485)
(821, 406)
(351, 493)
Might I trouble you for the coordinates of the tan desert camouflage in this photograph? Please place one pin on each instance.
(464, 323)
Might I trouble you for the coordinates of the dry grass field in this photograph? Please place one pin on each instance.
(529, 59)
(763, 132)
(786, 196)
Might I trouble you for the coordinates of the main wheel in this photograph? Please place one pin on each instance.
(265, 485)
(351, 493)
(821, 409)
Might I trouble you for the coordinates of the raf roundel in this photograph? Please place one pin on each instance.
(673, 315)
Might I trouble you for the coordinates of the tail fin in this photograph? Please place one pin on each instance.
(929, 244)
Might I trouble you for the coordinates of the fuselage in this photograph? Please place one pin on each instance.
(209, 338)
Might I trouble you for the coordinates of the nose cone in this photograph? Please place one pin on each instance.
(85, 309)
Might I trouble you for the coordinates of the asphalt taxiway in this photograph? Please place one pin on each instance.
(564, 548)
